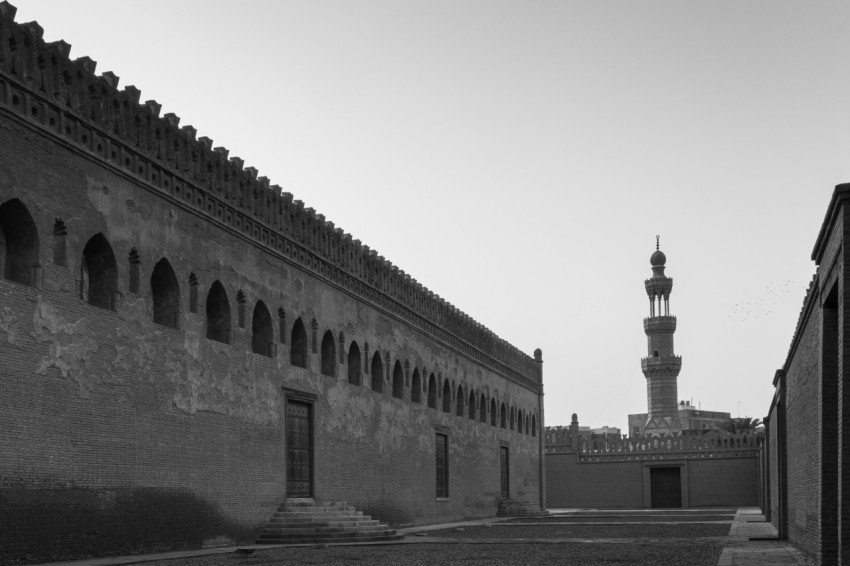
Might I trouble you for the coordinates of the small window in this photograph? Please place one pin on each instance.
(482, 409)
(298, 345)
(355, 371)
(460, 399)
(447, 397)
(398, 381)
(533, 426)
(99, 273)
(493, 412)
(416, 387)
(328, 354)
(471, 410)
(442, 465)
(432, 392)
(218, 314)
(20, 249)
(377, 373)
(519, 421)
(166, 295)
(262, 335)
(503, 415)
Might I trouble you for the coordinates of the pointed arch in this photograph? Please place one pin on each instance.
(472, 400)
(447, 397)
(20, 243)
(355, 368)
(99, 273)
(262, 335)
(432, 392)
(416, 387)
(512, 414)
(482, 409)
(503, 416)
(377, 371)
(493, 412)
(328, 354)
(533, 425)
(298, 344)
(519, 421)
(460, 398)
(218, 314)
(398, 381)
(166, 295)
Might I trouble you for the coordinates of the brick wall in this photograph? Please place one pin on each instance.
(715, 482)
(121, 435)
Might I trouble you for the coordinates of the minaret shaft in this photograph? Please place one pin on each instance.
(661, 366)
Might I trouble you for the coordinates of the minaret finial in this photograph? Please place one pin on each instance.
(657, 242)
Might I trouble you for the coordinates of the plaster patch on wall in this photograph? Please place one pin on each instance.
(352, 412)
(9, 325)
(349, 413)
(250, 396)
(70, 349)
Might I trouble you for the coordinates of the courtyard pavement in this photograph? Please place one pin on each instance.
(749, 540)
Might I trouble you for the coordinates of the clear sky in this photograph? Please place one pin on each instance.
(518, 158)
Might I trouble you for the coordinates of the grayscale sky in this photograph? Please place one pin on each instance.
(518, 158)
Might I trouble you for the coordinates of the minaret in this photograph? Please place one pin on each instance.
(661, 366)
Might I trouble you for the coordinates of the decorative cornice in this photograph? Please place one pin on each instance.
(654, 324)
(42, 87)
(661, 366)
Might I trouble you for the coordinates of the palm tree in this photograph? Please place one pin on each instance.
(742, 424)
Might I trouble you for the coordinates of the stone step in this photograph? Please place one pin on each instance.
(307, 520)
(317, 513)
(317, 524)
(316, 509)
(323, 530)
(271, 538)
(341, 540)
(321, 519)
(312, 503)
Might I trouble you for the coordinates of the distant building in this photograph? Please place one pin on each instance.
(690, 417)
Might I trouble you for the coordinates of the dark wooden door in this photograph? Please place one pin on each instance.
(506, 475)
(666, 485)
(299, 450)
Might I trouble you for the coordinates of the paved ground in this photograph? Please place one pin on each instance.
(692, 537)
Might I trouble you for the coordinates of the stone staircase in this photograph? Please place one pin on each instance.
(515, 508)
(303, 521)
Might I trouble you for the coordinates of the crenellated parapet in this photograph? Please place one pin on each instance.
(62, 97)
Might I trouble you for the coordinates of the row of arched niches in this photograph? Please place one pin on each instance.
(99, 287)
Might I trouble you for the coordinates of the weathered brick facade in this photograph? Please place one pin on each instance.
(808, 444)
(158, 303)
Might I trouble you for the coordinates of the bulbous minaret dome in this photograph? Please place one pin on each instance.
(661, 366)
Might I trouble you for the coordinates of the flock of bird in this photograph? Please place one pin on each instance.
(763, 305)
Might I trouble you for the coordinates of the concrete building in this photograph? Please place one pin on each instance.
(185, 348)
(692, 418)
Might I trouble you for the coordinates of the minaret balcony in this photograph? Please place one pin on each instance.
(661, 363)
(659, 286)
(654, 324)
